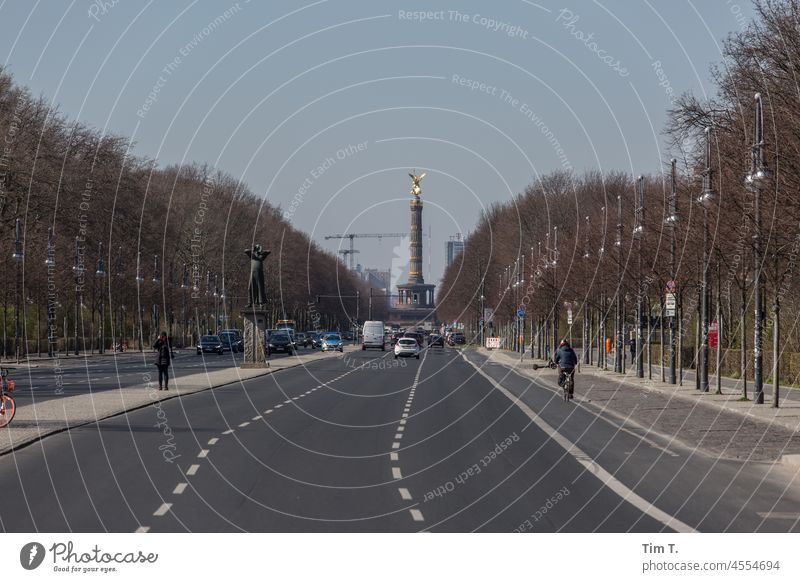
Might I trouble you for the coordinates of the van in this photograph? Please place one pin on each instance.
(373, 335)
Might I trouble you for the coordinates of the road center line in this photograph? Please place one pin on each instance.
(180, 488)
(416, 515)
(404, 494)
(396, 473)
(162, 510)
(193, 470)
(202, 454)
(213, 441)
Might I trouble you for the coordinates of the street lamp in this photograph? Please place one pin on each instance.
(18, 257)
(672, 219)
(50, 263)
(139, 308)
(77, 268)
(754, 180)
(620, 332)
(704, 200)
(101, 272)
(638, 233)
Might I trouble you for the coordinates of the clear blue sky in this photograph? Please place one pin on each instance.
(270, 90)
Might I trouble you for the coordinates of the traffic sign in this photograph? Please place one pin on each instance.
(671, 286)
(670, 304)
(520, 312)
(569, 316)
(492, 343)
(713, 334)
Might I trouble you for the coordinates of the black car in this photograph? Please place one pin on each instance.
(347, 335)
(231, 342)
(457, 338)
(210, 344)
(282, 342)
(301, 339)
(436, 340)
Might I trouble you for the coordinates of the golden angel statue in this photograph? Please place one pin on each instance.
(415, 180)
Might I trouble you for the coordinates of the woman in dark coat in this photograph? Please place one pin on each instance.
(163, 360)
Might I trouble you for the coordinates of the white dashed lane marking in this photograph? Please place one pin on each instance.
(244, 424)
(395, 445)
(202, 454)
(256, 417)
(180, 488)
(193, 470)
(394, 457)
(213, 441)
(404, 494)
(229, 431)
(396, 473)
(161, 511)
(142, 529)
(416, 515)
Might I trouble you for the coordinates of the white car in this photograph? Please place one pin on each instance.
(406, 347)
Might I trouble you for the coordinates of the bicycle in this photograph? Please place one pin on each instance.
(7, 405)
(569, 385)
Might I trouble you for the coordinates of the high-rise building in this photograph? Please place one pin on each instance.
(453, 248)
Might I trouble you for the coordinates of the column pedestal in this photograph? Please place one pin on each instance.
(255, 338)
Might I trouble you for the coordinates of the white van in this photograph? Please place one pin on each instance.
(373, 335)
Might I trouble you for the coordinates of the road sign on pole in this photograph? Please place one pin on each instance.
(713, 334)
(569, 316)
(670, 304)
(520, 312)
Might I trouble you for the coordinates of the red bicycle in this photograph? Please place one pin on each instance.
(7, 405)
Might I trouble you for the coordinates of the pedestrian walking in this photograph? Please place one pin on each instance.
(163, 360)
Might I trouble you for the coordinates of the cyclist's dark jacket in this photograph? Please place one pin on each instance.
(566, 358)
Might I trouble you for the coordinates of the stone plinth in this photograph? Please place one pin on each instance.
(255, 338)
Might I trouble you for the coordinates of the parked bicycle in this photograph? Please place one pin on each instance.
(7, 405)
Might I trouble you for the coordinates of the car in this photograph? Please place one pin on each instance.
(332, 342)
(301, 339)
(416, 336)
(395, 337)
(347, 335)
(373, 336)
(210, 344)
(313, 339)
(406, 347)
(230, 341)
(281, 341)
(435, 340)
(456, 338)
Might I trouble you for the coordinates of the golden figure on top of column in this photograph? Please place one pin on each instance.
(415, 187)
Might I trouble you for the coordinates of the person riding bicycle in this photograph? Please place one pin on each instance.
(566, 359)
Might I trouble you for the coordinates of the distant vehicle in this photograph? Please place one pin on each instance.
(332, 342)
(406, 347)
(236, 332)
(373, 336)
(285, 325)
(394, 338)
(435, 340)
(347, 335)
(231, 341)
(301, 339)
(210, 344)
(280, 341)
(456, 338)
(313, 339)
(414, 335)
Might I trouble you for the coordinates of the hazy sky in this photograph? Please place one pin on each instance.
(483, 96)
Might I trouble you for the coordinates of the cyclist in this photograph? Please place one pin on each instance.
(566, 359)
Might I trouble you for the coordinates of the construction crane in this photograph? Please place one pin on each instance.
(348, 253)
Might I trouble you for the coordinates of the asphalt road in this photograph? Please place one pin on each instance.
(368, 443)
(99, 373)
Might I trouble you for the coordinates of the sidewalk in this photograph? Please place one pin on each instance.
(35, 421)
(718, 424)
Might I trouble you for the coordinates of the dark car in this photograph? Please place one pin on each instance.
(347, 335)
(210, 344)
(282, 342)
(457, 338)
(314, 340)
(395, 337)
(231, 341)
(417, 336)
(436, 340)
(301, 339)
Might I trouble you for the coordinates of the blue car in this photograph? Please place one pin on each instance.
(332, 342)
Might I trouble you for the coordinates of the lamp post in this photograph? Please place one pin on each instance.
(18, 257)
(638, 232)
(77, 268)
(620, 339)
(754, 180)
(50, 263)
(672, 220)
(139, 307)
(555, 290)
(101, 272)
(705, 199)
(184, 292)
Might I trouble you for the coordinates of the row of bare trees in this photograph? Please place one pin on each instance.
(611, 247)
(115, 248)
